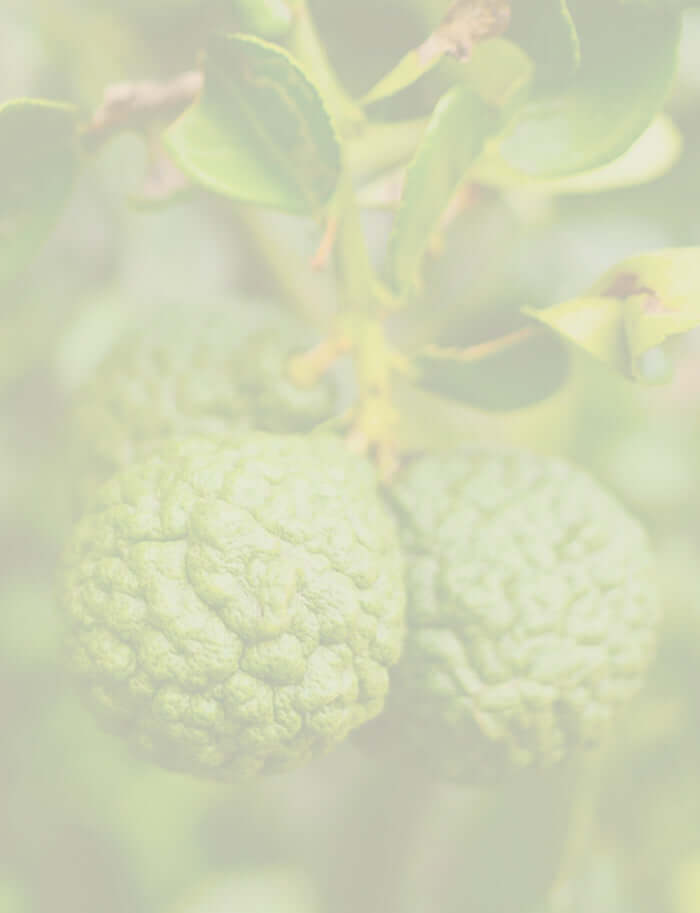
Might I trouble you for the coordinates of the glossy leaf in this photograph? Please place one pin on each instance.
(545, 29)
(633, 310)
(655, 152)
(452, 141)
(266, 18)
(500, 72)
(39, 160)
(628, 64)
(528, 368)
(260, 132)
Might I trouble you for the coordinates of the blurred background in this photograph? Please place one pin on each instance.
(84, 826)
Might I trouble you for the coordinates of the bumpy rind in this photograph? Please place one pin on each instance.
(234, 606)
(192, 373)
(531, 612)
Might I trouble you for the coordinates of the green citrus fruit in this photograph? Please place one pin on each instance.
(234, 605)
(187, 373)
(531, 612)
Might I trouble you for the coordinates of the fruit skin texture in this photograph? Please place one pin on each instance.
(234, 606)
(531, 613)
(191, 373)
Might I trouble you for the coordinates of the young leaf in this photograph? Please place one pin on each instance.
(546, 30)
(464, 26)
(260, 132)
(627, 67)
(39, 160)
(407, 71)
(632, 310)
(453, 139)
(497, 376)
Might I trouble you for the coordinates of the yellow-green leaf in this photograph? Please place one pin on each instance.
(632, 310)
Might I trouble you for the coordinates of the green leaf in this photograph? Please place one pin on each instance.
(500, 72)
(466, 25)
(628, 64)
(453, 139)
(632, 311)
(545, 29)
(267, 18)
(39, 160)
(501, 375)
(407, 71)
(260, 132)
(655, 152)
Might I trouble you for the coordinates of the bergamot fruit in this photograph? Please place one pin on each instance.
(190, 373)
(234, 604)
(531, 612)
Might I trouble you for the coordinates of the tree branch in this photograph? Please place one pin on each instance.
(142, 105)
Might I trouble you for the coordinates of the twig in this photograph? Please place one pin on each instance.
(139, 105)
(483, 349)
(325, 249)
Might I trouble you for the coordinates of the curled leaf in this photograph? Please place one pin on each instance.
(632, 311)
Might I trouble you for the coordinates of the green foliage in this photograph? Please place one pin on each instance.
(546, 30)
(525, 369)
(234, 607)
(627, 66)
(260, 132)
(267, 18)
(453, 140)
(38, 163)
(655, 152)
(632, 310)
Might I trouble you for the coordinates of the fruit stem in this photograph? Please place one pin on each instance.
(307, 369)
(293, 276)
(362, 301)
(375, 419)
(381, 147)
